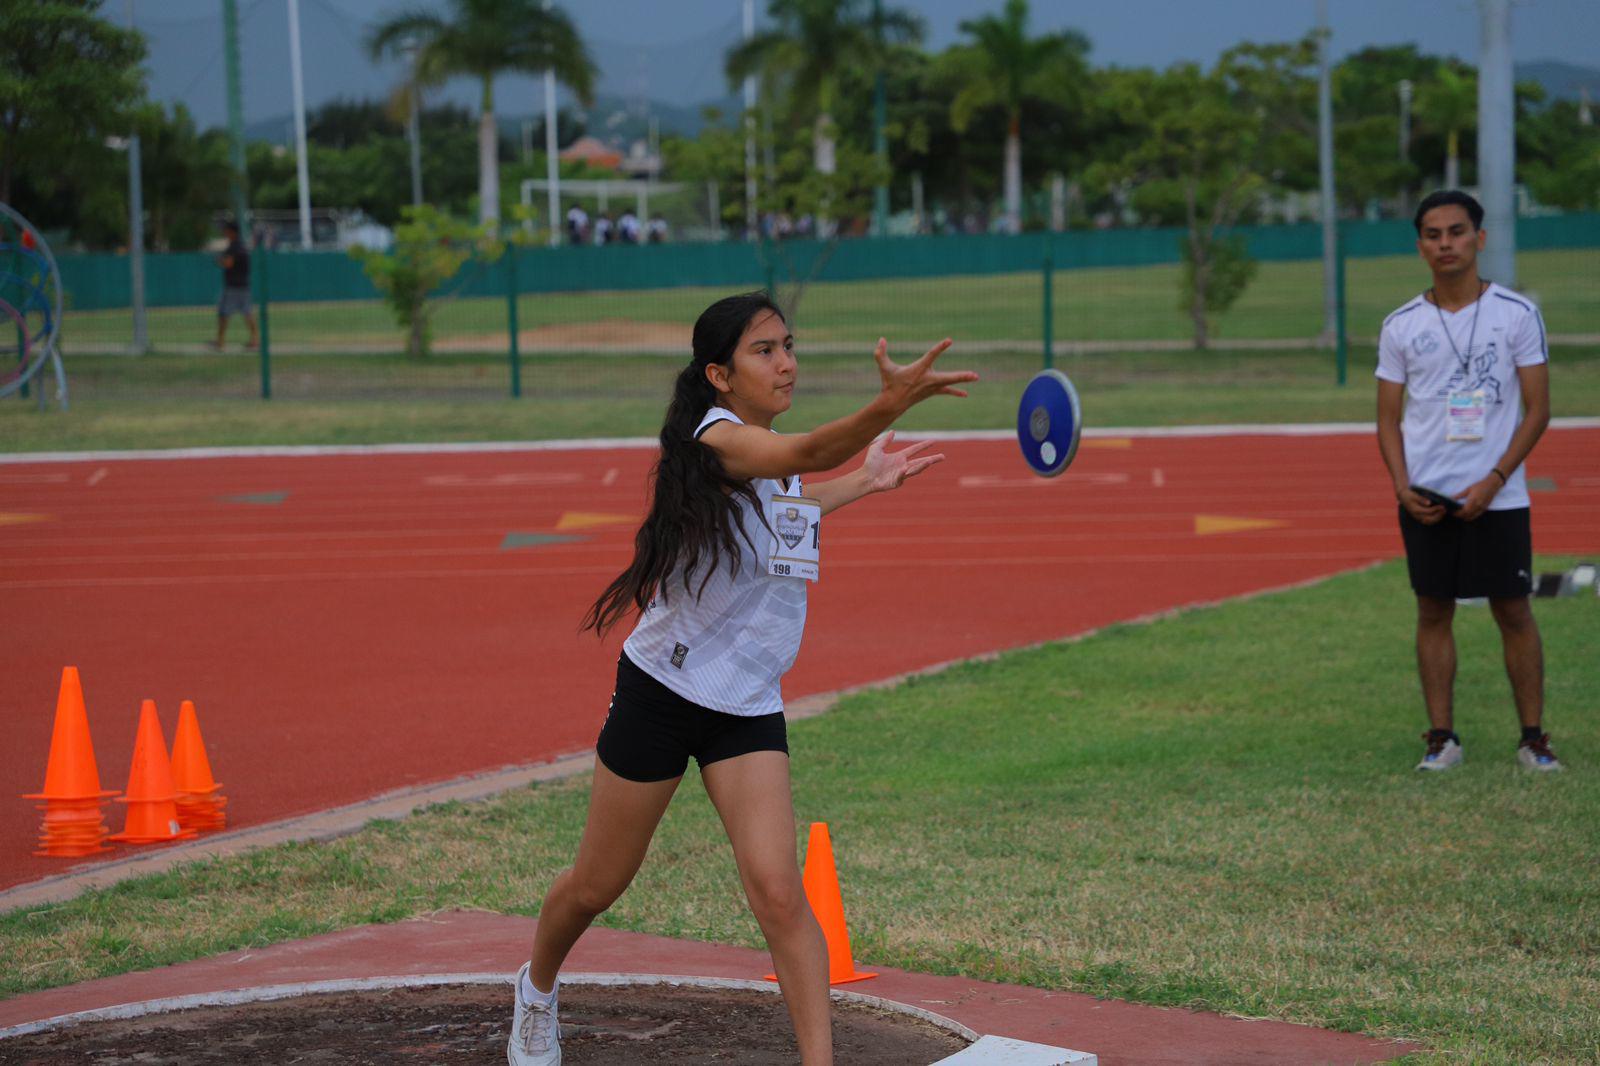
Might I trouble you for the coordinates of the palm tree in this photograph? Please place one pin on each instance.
(1449, 104)
(813, 41)
(1005, 68)
(483, 39)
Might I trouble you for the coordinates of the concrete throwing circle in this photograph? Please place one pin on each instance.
(465, 1018)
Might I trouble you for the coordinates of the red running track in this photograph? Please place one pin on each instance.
(368, 631)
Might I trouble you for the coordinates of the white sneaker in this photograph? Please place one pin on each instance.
(1536, 755)
(1443, 753)
(535, 1033)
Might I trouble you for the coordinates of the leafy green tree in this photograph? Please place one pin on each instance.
(1448, 104)
(483, 39)
(185, 176)
(1558, 156)
(430, 248)
(1002, 70)
(804, 56)
(68, 79)
(1213, 142)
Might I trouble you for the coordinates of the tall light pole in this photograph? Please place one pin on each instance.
(298, 80)
(1330, 233)
(1497, 145)
(413, 131)
(552, 146)
(880, 144)
(230, 55)
(750, 220)
(1405, 142)
(141, 334)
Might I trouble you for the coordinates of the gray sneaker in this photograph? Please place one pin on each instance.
(1536, 755)
(535, 1033)
(1443, 753)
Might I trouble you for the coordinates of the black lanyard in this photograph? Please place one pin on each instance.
(1472, 334)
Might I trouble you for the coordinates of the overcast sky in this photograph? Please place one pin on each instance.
(671, 50)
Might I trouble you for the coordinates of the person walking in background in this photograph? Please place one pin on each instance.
(1463, 396)
(235, 300)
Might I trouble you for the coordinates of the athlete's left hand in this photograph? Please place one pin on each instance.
(884, 470)
(1477, 498)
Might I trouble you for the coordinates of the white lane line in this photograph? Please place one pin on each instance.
(98, 476)
(531, 477)
(989, 481)
(611, 476)
(33, 479)
(1157, 478)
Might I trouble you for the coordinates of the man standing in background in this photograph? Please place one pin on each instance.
(235, 264)
(1463, 396)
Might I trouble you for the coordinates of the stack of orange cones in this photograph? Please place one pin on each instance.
(199, 806)
(821, 880)
(74, 823)
(151, 796)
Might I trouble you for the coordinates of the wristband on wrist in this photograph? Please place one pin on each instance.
(1497, 470)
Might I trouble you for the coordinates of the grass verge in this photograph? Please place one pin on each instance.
(1214, 810)
(170, 401)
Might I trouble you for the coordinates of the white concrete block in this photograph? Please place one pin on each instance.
(1004, 1051)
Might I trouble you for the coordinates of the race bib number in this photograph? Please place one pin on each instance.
(796, 524)
(1464, 415)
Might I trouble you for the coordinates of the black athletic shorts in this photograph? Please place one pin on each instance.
(651, 731)
(1490, 556)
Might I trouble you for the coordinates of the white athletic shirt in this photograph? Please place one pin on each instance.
(1415, 350)
(729, 649)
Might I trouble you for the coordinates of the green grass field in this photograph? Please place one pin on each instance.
(1214, 810)
(164, 401)
(1105, 304)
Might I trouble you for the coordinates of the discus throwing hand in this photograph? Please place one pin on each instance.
(914, 382)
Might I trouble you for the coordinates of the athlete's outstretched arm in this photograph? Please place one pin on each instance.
(751, 452)
(881, 471)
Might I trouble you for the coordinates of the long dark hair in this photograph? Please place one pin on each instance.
(695, 520)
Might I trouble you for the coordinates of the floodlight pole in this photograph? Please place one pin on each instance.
(1405, 142)
(1497, 144)
(750, 220)
(552, 145)
(413, 131)
(300, 166)
(1330, 233)
(230, 53)
(880, 143)
(141, 334)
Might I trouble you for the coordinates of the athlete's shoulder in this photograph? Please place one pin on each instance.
(1515, 299)
(1397, 316)
(713, 416)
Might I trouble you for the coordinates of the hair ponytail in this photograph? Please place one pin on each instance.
(695, 520)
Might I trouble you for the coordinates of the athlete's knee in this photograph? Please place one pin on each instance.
(1514, 614)
(1433, 611)
(778, 897)
(592, 895)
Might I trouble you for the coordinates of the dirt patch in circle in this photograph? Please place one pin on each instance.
(460, 1024)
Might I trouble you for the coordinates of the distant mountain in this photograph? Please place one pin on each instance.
(1561, 81)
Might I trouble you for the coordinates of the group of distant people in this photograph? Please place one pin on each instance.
(626, 228)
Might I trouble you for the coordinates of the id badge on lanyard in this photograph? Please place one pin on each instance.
(1464, 414)
(796, 524)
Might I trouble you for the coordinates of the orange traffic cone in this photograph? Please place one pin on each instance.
(73, 822)
(822, 892)
(151, 797)
(198, 805)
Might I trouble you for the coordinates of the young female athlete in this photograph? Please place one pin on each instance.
(720, 619)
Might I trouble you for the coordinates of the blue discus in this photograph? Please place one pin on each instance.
(1049, 421)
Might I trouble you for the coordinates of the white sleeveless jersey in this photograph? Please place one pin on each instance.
(729, 649)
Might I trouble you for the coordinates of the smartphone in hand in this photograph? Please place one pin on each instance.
(1450, 504)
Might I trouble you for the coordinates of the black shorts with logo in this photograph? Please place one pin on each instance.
(651, 731)
(1492, 555)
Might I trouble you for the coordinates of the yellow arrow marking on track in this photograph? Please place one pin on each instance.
(17, 518)
(1205, 524)
(589, 519)
(1107, 442)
